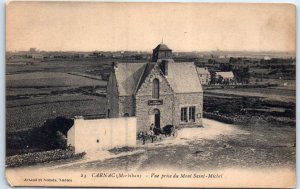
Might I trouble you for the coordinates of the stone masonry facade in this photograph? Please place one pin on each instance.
(112, 105)
(170, 110)
(188, 100)
(182, 109)
(144, 94)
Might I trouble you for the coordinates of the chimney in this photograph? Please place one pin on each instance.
(114, 65)
(164, 67)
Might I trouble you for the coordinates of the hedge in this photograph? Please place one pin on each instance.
(41, 157)
(50, 136)
(218, 117)
(208, 87)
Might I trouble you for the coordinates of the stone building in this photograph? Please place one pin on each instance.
(161, 92)
(204, 75)
(225, 77)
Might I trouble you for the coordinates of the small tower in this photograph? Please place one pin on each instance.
(161, 52)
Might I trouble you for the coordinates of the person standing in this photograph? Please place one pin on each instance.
(151, 127)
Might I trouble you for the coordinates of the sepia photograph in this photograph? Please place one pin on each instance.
(152, 94)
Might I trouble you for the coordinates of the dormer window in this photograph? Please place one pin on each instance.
(155, 88)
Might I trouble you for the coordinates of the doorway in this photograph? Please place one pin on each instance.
(156, 118)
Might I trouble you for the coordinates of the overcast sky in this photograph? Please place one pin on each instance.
(141, 26)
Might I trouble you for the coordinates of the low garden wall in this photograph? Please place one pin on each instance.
(41, 157)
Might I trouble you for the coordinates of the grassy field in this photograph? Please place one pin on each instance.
(28, 113)
(285, 94)
(271, 106)
(35, 93)
(266, 120)
(63, 66)
(49, 79)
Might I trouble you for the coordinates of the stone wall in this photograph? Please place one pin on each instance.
(187, 100)
(146, 87)
(204, 78)
(144, 110)
(126, 106)
(112, 97)
(169, 105)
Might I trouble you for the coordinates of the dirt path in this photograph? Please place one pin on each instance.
(211, 130)
(214, 146)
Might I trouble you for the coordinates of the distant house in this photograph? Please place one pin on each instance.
(78, 55)
(36, 56)
(204, 75)
(160, 92)
(32, 50)
(225, 77)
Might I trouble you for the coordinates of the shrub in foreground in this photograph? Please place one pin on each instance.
(40, 157)
(50, 136)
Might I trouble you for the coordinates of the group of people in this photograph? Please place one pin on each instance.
(147, 134)
(154, 132)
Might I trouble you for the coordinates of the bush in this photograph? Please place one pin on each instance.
(40, 157)
(122, 149)
(52, 135)
(218, 117)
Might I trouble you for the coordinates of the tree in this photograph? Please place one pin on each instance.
(226, 67)
(212, 77)
(242, 74)
(220, 79)
(246, 75)
(54, 132)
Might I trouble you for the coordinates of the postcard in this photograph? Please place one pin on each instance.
(150, 94)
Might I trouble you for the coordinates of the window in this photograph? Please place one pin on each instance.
(184, 114)
(188, 114)
(192, 114)
(155, 89)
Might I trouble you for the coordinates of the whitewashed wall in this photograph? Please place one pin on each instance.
(71, 136)
(101, 134)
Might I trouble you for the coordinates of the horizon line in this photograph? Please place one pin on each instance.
(252, 51)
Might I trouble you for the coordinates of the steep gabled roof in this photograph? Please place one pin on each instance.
(225, 75)
(145, 73)
(128, 75)
(202, 70)
(183, 77)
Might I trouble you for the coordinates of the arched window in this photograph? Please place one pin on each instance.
(155, 89)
